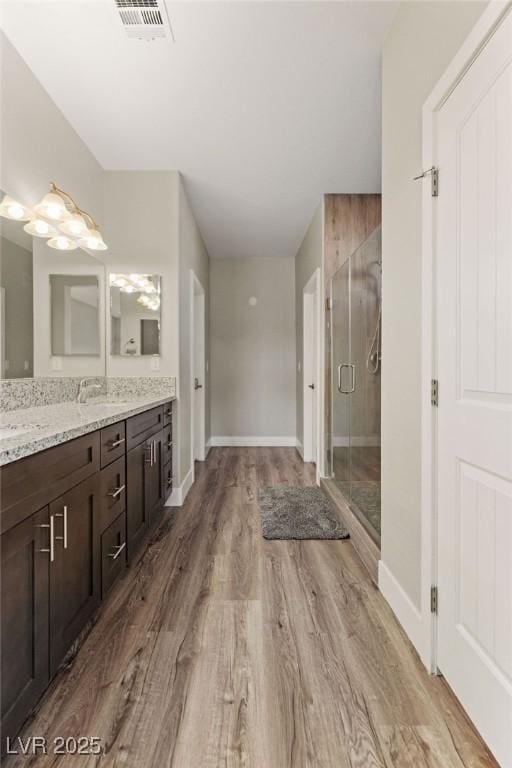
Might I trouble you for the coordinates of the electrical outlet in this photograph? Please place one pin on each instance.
(56, 363)
(155, 363)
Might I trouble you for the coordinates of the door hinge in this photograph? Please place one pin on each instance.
(434, 600)
(434, 179)
(434, 392)
(327, 304)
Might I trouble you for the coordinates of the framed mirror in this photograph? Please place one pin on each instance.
(135, 314)
(75, 315)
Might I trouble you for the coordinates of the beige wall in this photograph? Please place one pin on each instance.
(38, 145)
(309, 257)
(422, 41)
(193, 256)
(141, 228)
(252, 348)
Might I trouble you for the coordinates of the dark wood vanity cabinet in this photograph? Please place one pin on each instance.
(75, 588)
(25, 619)
(145, 470)
(72, 517)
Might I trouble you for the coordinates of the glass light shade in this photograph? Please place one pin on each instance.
(52, 207)
(12, 209)
(93, 240)
(40, 228)
(74, 226)
(62, 243)
(150, 288)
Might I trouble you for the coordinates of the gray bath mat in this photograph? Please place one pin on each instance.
(298, 513)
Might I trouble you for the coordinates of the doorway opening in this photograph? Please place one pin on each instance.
(311, 368)
(197, 370)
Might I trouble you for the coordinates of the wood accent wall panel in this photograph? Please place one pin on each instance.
(349, 220)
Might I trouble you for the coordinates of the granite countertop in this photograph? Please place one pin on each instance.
(30, 430)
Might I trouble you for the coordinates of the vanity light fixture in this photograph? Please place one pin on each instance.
(63, 243)
(52, 207)
(57, 208)
(40, 228)
(93, 240)
(12, 209)
(74, 226)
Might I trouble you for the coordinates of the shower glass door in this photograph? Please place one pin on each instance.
(356, 349)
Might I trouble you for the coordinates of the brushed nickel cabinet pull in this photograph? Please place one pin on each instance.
(51, 526)
(149, 460)
(64, 537)
(115, 492)
(119, 549)
(115, 443)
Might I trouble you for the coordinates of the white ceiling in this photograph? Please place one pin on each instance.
(263, 106)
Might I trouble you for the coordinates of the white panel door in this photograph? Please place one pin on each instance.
(474, 342)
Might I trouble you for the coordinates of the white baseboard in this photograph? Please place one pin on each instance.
(258, 442)
(300, 449)
(207, 448)
(179, 494)
(404, 609)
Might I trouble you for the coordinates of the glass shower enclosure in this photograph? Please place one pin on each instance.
(356, 308)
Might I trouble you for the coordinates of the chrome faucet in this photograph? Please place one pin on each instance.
(84, 390)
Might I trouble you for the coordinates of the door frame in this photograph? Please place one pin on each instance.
(312, 363)
(197, 295)
(425, 635)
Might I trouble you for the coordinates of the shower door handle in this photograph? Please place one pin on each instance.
(353, 378)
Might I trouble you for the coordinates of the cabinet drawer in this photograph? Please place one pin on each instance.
(167, 414)
(113, 552)
(113, 443)
(112, 492)
(167, 445)
(30, 483)
(142, 426)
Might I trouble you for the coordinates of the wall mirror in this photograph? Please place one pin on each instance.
(52, 305)
(135, 314)
(16, 301)
(75, 318)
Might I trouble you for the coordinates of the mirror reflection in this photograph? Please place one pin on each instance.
(135, 314)
(52, 304)
(75, 327)
(16, 312)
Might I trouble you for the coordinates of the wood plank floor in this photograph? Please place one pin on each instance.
(222, 649)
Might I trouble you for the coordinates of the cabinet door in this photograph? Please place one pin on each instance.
(75, 572)
(25, 568)
(137, 519)
(154, 478)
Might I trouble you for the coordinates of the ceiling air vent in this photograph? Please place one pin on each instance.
(144, 19)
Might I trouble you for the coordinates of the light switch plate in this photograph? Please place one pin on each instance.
(56, 363)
